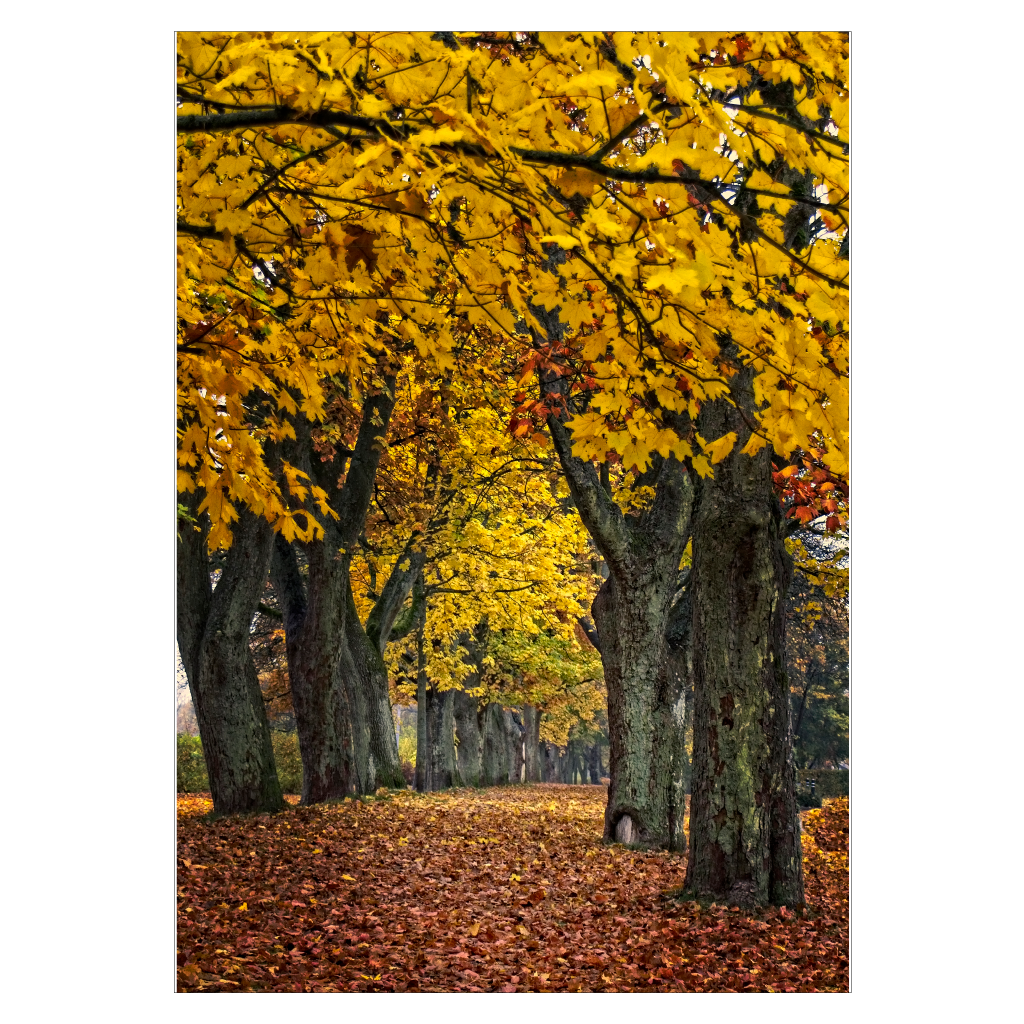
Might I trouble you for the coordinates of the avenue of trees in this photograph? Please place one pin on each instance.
(513, 374)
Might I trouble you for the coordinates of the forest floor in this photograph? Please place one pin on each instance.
(492, 890)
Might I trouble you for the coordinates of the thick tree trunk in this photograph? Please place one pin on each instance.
(321, 667)
(213, 639)
(631, 621)
(444, 772)
(642, 553)
(496, 761)
(517, 756)
(467, 728)
(744, 832)
(549, 760)
(676, 683)
(531, 742)
(324, 705)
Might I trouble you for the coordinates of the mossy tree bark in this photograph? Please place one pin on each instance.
(744, 832)
(497, 763)
(366, 671)
(642, 553)
(213, 640)
(516, 754)
(331, 712)
(444, 773)
(469, 753)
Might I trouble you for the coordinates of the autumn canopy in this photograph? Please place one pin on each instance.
(490, 340)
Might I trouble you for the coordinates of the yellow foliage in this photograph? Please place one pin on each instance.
(365, 196)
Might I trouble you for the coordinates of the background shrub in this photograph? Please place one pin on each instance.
(828, 782)
(289, 761)
(192, 768)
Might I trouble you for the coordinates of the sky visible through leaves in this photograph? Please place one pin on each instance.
(506, 889)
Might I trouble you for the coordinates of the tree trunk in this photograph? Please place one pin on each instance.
(676, 682)
(594, 763)
(213, 639)
(369, 676)
(744, 832)
(642, 552)
(549, 761)
(467, 729)
(440, 715)
(517, 756)
(496, 770)
(531, 742)
(631, 618)
(321, 667)
(422, 719)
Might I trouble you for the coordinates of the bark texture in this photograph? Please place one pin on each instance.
(744, 830)
(444, 773)
(333, 711)
(514, 732)
(213, 640)
(469, 753)
(642, 554)
(496, 767)
(531, 742)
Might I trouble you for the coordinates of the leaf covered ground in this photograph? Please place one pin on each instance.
(494, 890)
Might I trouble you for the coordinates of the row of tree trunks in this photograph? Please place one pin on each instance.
(575, 764)
(491, 741)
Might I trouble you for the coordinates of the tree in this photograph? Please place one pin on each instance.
(636, 217)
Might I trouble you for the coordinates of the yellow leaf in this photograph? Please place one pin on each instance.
(702, 466)
(594, 345)
(234, 221)
(675, 278)
(474, 929)
(370, 153)
(244, 906)
(819, 306)
(565, 241)
(718, 450)
(636, 453)
(593, 80)
(436, 137)
(348, 878)
(754, 445)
